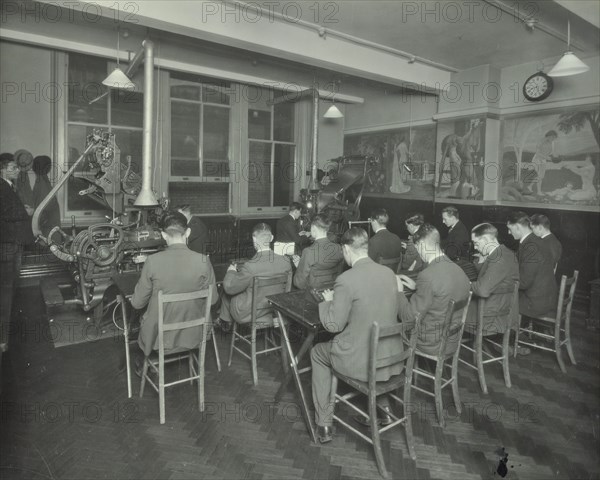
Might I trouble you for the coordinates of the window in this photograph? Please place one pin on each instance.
(200, 124)
(271, 169)
(120, 112)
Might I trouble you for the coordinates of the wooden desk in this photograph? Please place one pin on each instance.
(300, 308)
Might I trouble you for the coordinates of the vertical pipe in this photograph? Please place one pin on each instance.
(313, 177)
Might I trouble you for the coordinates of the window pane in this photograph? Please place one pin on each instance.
(127, 108)
(85, 84)
(284, 175)
(130, 143)
(215, 143)
(215, 94)
(202, 197)
(185, 138)
(184, 89)
(283, 124)
(259, 175)
(259, 124)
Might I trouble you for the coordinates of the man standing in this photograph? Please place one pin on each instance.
(441, 281)
(288, 235)
(361, 296)
(15, 221)
(174, 270)
(537, 286)
(322, 260)
(383, 244)
(198, 239)
(457, 242)
(237, 303)
(540, 226)
(498, 269)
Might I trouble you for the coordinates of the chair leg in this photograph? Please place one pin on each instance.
(569, 347)
(437, 387)
(517, 330)
(144, 372)
(455, 392)
(558, 348)
(233, 333)
(505, 355)
(479, 362)
(161, 391)
(284, 357)
(375, 436)
(216, 347)
(410, 440)
(253, 356)
(200, 383)
(191, 367)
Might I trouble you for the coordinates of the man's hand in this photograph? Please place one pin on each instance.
(480, 258)
(407, 282)
(328, 295)
(29, 210)
(303, 233)
(403, 244)
(232, 267)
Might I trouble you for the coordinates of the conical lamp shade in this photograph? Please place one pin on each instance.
(117, 79)
(333, 112)
(569, 64)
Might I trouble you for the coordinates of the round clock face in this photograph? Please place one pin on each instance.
(537, 87)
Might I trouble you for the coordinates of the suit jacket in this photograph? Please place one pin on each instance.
(410, 255)
(500, 270)
(24, 189)
(384, 244)
(538, 292)
(15, 224)
(361, 296)
(174, 270)
(239, 284)
(457, 242)
(441, 281)
(318, 263)
(287, 230)
(198, 239)
(554, 248)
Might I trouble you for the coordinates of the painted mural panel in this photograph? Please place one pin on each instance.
(552, 158)
(460, 159)
(405, 160)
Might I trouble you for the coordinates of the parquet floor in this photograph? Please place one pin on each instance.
(65, 415)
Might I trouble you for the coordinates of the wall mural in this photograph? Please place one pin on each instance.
(459, 163)
(552, 159)
(405, 159)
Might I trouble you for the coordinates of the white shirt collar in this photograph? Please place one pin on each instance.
(524, 237)
(8, 181)
(359, 259)
(545, 235)
(380, 228)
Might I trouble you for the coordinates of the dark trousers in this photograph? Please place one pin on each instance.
(12, 253)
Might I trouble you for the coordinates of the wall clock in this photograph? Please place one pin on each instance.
(538, 87)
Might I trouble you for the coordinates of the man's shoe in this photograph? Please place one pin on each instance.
(383, 419)
(139, 366)
(324, 434)
(520, 350)
(224, 326)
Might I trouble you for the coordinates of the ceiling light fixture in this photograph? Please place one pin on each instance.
(333, 111)
(569, 64)
(118, 79)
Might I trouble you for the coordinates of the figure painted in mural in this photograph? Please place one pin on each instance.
(544, 153)
(450, 161)
(468, 149)
(401, 158)
(587, 172)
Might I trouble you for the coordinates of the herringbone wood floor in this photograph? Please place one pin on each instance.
(65, 414)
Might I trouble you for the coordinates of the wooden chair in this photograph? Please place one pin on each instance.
(261, 318)
(440, 359)
(195, 357)
(373, 389)
(479, 336)
(390, 262)
(561, 321)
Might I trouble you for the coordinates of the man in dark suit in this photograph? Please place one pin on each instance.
(237, 303)
(457, 242)
(537, 287)
(198, 239)
(361, 295)
(175, 270)
(498, 269)
(288, 234)
(411, 260)
(441, 281)
(540, 226)
(15, 221)
(383, 244)
(322, 260)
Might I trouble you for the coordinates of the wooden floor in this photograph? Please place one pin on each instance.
(65, 415)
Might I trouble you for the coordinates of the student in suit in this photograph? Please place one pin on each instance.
(288, 233)
(457, 242)
(538, 292)
(15, 221)
(198, 239)
(498, 269)
(175, 270)
(360, 296)
(441, 281)
(321, 260)
(540, 226)
(411, 257)
(237, 303)
(383, 244)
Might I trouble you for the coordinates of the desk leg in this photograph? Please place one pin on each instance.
(296, 374)
(306, 345)
(121, 300)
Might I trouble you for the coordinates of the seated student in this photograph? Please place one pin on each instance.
(540, 226)
(411, 259)
(174, 270)
(237, 301)
(538, 292)
(498, 269)
(439, 282)
(198, 239)
(457, 242)
(288, 234)
(383, 244)
(321, 260)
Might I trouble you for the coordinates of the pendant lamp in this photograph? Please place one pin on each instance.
(118, 79)
(569, 64)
